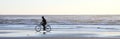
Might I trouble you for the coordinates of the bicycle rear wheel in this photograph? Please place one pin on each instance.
(48, 28)
(38, 28)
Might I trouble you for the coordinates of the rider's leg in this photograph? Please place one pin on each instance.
(44, 27)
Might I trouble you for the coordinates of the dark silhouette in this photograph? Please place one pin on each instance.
(44, 33)
(43, 23)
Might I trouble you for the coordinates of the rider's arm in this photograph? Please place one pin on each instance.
(41, 23)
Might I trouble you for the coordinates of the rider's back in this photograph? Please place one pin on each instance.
(43, 21)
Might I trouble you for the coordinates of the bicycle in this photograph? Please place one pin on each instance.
(39, 28)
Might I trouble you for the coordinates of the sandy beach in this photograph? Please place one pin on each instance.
(61, 32)
(55, 38)
(15, 27)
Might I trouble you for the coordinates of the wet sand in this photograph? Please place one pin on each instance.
(61, 32)
(55, 38)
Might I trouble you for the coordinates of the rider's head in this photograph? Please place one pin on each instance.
(42, 16)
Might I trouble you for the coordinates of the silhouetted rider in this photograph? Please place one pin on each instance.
(43, 23)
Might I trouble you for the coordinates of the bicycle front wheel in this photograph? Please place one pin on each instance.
(38, 28)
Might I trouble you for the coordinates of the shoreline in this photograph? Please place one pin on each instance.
(56, 38)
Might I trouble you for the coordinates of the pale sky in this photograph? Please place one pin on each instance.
(77, 7)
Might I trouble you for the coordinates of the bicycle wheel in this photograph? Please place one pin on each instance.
(38, 28)
(48, 28)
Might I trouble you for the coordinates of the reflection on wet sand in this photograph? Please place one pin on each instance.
(61, 31)
(32, 33)
(44, 33)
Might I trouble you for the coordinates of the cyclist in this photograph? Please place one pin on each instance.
(43, 23)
